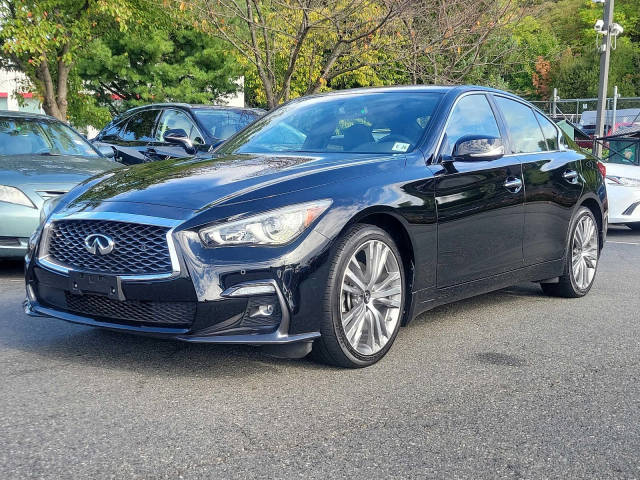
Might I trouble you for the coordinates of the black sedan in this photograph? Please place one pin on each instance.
(172, 130)
(328, 224)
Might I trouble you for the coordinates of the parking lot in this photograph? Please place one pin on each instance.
(511, 384)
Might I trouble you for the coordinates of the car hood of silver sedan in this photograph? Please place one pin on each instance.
(16, 170)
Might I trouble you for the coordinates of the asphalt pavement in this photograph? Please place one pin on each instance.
(511, 384)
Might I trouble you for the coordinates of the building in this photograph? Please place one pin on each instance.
(12, 83)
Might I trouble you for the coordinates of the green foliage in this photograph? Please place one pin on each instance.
(140, 66)
(576, 70)
(44, 37)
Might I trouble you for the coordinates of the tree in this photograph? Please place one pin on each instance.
(309, 41)
(43, 38)
(442, 41)
(142, 65)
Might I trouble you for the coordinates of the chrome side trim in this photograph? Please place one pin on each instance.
(44, 261)
(117, 217)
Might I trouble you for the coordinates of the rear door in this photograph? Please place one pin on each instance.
(133, 140)
(480, 217)
(552, 181)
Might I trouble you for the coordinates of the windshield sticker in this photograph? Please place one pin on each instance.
(400, 147)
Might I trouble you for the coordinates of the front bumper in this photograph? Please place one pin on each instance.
(13, 247)
(624, 204)
(218, 322)
(17, 223)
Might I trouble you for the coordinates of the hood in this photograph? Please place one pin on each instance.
(68, 170)
(197, 183)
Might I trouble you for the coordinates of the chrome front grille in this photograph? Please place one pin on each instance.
(139, 249)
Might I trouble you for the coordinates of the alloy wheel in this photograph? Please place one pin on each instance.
(370, 297)
(584, 252)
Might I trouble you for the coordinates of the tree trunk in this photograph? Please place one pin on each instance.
(49, 104)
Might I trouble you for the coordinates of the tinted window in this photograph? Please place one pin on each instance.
(356, 123)
(472, 115)
(111, 131)
(177, 119)
(549, 131)
(221, 124)
(31, 137)
(526, 136)
(140, 127)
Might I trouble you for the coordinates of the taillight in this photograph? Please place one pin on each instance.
(603, 169)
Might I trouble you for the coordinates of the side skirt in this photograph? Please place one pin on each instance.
(429, 298)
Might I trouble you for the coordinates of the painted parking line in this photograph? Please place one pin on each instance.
(624, 243)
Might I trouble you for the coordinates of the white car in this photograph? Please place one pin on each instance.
(623, 190)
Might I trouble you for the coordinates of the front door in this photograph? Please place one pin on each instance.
(480, 204)
(133, 139)
(172, 119)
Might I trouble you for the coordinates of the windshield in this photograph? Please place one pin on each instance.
(221, 124)
(25, 136)
(357, 123)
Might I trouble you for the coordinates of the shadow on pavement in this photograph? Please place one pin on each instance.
(11, 267)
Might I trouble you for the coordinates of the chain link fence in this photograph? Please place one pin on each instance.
(572, 109)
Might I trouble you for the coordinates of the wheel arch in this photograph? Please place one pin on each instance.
(392, 223)
(594, 206)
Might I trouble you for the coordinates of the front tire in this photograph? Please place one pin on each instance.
(581, 259)
(364, 301)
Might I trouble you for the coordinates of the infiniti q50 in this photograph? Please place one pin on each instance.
(327, 224)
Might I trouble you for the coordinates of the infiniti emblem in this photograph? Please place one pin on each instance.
(99, 244)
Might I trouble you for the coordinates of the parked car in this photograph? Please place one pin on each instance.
(623, 176)
(377, 204)
(40, 159)
(172, 130)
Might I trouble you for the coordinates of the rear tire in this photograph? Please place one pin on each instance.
(634, 226)
(364, 300)
(581, 258)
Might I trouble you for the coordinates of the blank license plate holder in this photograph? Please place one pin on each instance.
(95, 283)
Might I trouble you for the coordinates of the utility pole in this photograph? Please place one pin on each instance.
(613, 109)
(605, 54)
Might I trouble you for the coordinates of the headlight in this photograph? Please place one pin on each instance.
(47, 207)
(624, 181)
(14, 195)
(276, 227)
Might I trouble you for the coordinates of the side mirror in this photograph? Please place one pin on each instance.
(106, 151)
(178, 136)
(472, 148)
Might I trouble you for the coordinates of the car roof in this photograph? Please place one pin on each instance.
(457, 89)
(14, 114)
(192, 106)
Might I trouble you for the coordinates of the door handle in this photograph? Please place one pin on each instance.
(571, 176)
(513, 184)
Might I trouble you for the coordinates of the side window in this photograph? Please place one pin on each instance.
(140, 127)
(111, 132)
(172, 119)
(526, 136)
(472, 115)
(550, 132)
